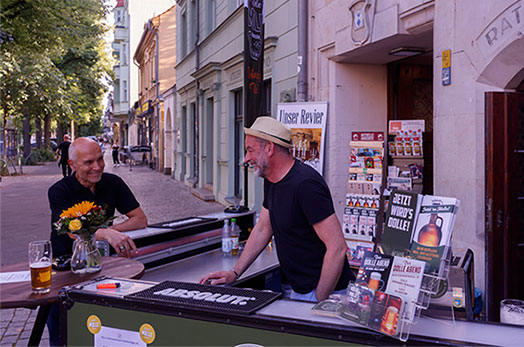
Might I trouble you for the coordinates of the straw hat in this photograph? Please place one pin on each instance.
(270, 129)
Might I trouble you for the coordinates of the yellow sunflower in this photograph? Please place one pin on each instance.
(78, 210)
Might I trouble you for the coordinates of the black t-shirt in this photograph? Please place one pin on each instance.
(111, 190)
(295, 203)
(64, 151)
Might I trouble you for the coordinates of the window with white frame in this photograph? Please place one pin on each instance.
(118, 17)
(234, 4)
(116, 56)
(211, 15)
(238, 154)
(124, 91)
(183, 34)
(192, 25)
(124, 55)
(116, 92)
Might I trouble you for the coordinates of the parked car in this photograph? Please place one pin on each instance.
(52, 143)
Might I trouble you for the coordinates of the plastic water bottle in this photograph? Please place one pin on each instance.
(226, 239)
(235, 234)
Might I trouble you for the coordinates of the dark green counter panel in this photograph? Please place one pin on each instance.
(175, 331)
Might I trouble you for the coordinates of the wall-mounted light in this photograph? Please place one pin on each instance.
(407, 51)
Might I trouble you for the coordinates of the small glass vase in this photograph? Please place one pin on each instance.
(86, 256)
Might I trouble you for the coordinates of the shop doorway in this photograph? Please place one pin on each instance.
(504, 198)
(410, 96)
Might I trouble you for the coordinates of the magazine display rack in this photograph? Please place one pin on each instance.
(372, 308)
(405, 155)
(362, 213)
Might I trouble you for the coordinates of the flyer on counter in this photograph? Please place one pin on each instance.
(13, 277)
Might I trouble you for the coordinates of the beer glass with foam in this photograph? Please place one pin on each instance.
(40, 257)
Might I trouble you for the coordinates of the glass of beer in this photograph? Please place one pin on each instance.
(40, 257)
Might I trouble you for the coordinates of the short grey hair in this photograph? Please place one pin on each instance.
(72, 152)
(278, 148)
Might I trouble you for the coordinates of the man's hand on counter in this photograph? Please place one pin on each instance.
(219, 277)
(121, 242)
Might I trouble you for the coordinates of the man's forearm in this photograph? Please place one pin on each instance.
(132, 223)
(331, 270)
(256, 242)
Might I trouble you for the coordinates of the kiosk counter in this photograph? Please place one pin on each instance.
(171, 309)
(131, 315)
(168, 307)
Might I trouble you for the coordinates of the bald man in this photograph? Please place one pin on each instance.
(89, 183)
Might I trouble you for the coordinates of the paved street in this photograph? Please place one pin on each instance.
(25, 216)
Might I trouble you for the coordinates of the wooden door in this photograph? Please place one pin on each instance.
(504, 199)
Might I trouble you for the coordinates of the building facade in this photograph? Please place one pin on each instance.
(210, 139)
(140, 12)
(376, 61)
(121, 84)
(155, 56)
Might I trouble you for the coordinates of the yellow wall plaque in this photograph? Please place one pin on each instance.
(446, 58)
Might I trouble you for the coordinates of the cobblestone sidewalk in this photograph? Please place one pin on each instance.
(16, 325)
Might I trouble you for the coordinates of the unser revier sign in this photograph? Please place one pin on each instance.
(307, 121)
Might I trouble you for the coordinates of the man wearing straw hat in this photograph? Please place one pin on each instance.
(298, 210)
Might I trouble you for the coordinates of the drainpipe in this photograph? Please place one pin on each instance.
(197, 67)
(156, 92)
(302, 50)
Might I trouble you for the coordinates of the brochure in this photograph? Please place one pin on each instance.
(358, 304)
(356, 250)
(405, 279)
(385, 312)
(374, 271)
(399, 224)
(328, 307)
(433, 230)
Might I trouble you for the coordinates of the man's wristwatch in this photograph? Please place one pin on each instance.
(236, 274)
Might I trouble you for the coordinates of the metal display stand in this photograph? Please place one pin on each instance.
(430, 286)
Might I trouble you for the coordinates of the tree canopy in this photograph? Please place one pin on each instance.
(53, 64)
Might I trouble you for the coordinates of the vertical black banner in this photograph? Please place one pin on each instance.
(253, 59)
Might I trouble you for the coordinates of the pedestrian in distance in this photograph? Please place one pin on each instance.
(116, 162)
(62, 154)
(102, 146)
(298, 211)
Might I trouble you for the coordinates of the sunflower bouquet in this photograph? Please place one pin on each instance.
(83, 219)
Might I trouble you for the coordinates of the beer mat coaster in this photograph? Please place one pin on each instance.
(177, 223)
(207, 297)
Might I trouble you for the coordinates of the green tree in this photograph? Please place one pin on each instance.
(53, 68)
